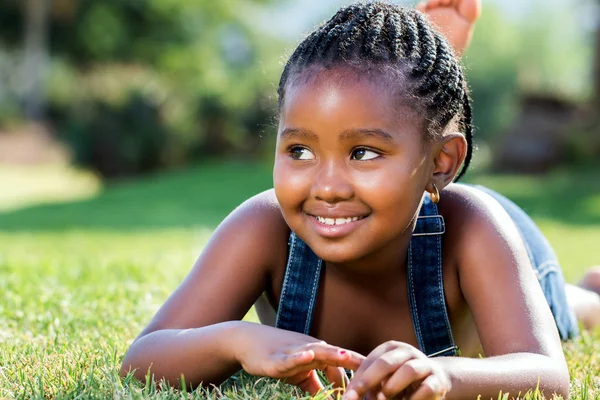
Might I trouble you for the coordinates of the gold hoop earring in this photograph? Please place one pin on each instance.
(435, 196)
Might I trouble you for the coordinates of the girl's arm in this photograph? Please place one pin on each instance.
(514, 323)
(197, 333)
(511, 373)
(201, 355)
(210, 354)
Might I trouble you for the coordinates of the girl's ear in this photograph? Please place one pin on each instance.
(449, 155)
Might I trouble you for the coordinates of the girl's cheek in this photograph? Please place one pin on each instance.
(291, 184)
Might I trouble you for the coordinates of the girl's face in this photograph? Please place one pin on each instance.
(351, 166)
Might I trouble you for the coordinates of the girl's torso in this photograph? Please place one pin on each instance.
(360, 314)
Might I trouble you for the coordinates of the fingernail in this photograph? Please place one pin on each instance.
(342, 352)
(350, 395)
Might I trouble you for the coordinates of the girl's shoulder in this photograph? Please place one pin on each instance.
(468, 206)
(263, 207)
(258, 230)
(258, 223)
(477, 225)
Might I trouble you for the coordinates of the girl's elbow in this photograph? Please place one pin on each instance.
(127, 366)
(131, 364)
(562, 391)
(564, 386)
(558, 382)
(125, 371)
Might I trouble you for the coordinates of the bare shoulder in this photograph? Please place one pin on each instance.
(474, 217)
(471, 205)
(495, 275)
(263, 205)
(479, 228)
(257, 229)
(233, 270)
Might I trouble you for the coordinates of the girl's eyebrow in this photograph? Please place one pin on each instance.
(289, 133)
(348, 134)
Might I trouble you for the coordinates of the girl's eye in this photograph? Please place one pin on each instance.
(363, 154)
(301, 153)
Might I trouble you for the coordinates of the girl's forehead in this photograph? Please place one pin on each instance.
(343, 95)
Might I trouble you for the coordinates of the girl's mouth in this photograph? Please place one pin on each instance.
(335, 227)
(336, 221)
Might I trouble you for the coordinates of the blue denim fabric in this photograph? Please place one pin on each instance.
(545, 265)
(300, 286)
(425, 283)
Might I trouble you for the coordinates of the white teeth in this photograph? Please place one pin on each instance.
(336, 221)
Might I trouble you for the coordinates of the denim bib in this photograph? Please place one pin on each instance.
(424, 282)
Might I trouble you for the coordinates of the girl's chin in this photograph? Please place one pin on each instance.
(337, 253)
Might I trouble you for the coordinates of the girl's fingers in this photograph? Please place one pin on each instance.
(401, 351)
(335, 356)
(315, 364)
(312, 384)
(304, 368)
(411, 371)
(433, 387)
(370, 379)
(286, 364)
(337, 376)
(311, 356)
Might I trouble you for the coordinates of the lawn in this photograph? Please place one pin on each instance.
(79, 279)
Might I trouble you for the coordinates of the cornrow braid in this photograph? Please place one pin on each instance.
(378, 34)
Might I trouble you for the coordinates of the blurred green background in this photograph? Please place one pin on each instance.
(126, 88)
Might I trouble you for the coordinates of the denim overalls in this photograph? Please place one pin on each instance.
(424, 280)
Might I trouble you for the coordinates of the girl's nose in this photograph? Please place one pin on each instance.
(332, 185)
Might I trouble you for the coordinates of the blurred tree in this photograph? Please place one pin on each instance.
(492, 72)
(199, 63)
(596, 69)
(36, 56)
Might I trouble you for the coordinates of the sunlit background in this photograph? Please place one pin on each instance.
(130, 128)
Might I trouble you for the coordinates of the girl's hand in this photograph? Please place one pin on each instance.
(396, 369)
(266, 351)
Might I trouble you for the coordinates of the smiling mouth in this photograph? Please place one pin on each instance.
(336, 221)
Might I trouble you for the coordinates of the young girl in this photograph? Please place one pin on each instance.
(372, 258)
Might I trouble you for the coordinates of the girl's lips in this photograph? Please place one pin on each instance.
(335, 231)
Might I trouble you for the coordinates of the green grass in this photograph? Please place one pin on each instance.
(79, 280)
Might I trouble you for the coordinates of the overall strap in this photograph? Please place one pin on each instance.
(426, 286)
(300, 286)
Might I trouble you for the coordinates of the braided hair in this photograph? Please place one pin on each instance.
(378, 35)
